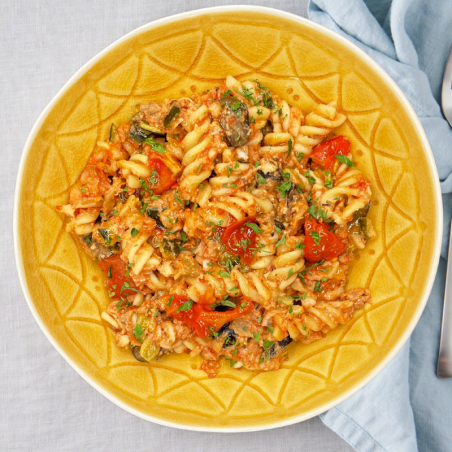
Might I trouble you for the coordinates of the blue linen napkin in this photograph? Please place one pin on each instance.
(406, 408)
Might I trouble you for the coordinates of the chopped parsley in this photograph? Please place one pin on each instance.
(281, 242)
(185, 307)
(311, 180)
(255, 228)
(329, 180)
(285, 186)
(157, 147)
(134, 232)
(344, 159)
(316, 236)
(176, 197)
(138, 331)
(224, 274)
(290, 148)
(261, 179)
(267, 345)
(299, 245)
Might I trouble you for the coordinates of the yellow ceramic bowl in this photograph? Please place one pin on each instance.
(305, 64)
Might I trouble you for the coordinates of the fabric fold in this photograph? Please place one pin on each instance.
(406, 407)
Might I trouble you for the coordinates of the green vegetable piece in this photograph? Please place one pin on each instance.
(365, 226)
(149, 349)
(105, 234)
(285, 300)
(345, 160)
(171, 248)
(255, 228)
(157, 147)
(112, 133)
(186, 306)
(316, 236)
(174, 111)
(154, 213)
(140, 328)
(278, 224)
(228, 303)
(138, 134)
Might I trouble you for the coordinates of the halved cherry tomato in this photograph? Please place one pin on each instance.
(323, 154)
(162, 179)
(319, 242)
(199, 318)
(118, 276)
(239, 239)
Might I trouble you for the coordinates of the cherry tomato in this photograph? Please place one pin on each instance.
(162, 179)
(319, 242)
(239, 239)
(118, 271)
(323, 154)
(199, 318)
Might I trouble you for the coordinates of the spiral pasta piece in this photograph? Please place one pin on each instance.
(318, 124)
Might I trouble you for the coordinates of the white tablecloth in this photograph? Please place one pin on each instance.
(44, 404)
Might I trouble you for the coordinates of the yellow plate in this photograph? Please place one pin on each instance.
(305, 64)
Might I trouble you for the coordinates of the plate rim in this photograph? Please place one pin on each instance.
(186, 15)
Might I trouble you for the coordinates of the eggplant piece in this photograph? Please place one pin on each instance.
(104, 233)
(268, 128)
(276, 175)
(278, 224)
(361, 213)
(174, 112)
(154, 213)
(136, 354)
(123, 196)
(360, 224)
(366, 228)
(138, 134)
(171, 248)
(278, 347)
(96, 250)
(293, 196)
(228, 335)
(238, 132)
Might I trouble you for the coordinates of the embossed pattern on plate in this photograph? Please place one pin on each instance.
(304, 66)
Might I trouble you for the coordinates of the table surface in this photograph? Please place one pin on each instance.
(44, 404)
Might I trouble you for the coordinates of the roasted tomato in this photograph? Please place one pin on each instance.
(199, 318)
(240, 240)
(323, 154)
(162, 178)
(115, 270)
(319, 242)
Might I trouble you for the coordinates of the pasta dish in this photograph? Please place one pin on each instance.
(225, 223)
